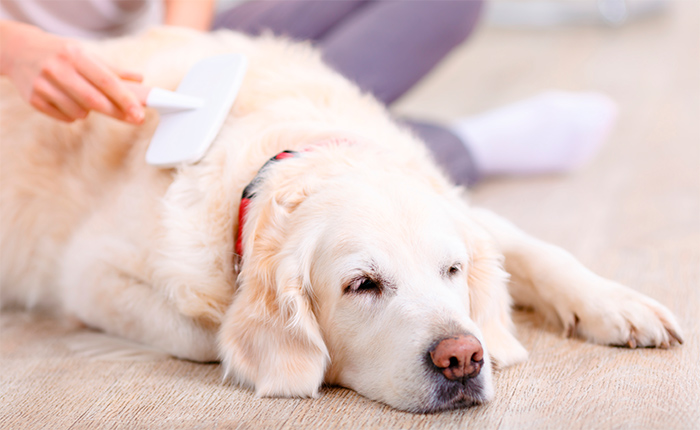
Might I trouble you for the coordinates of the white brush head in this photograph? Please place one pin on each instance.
(185, 136)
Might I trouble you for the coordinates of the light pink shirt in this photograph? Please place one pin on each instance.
(92, 19)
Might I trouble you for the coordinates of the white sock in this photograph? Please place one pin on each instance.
(551, 132)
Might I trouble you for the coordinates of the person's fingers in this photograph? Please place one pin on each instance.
(140, 91)
(62, 101)
(127, 75)
(109, 83)
(44, 106)
(63, 76)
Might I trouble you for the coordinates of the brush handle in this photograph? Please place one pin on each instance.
(165, 101)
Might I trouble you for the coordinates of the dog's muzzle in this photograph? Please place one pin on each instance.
(455, 364)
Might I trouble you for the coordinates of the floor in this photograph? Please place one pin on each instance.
(632, 215)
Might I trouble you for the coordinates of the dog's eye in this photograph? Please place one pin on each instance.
(454, 269)
(363, 286)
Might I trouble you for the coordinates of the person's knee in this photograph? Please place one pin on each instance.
(446, 23)
(456, 19)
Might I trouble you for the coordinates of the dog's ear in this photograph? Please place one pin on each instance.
(489, 300)
(270, 339)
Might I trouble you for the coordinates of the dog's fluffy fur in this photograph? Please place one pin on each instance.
(89, 229)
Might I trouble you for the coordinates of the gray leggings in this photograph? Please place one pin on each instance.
(383, 46)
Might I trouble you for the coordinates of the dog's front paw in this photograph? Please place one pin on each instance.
(616, 315)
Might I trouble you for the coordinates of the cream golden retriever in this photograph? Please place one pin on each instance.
(361, 264)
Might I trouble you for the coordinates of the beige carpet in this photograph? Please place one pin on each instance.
(633, 215)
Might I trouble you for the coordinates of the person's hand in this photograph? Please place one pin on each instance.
(61, 79)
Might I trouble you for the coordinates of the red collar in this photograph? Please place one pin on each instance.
(249, 193)
(249, 190)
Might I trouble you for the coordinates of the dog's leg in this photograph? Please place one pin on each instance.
(551, 280)
(118, 303)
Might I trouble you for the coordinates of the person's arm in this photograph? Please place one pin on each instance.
(59, 78)
(197, 14)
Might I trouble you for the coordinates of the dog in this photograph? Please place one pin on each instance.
(352, 260)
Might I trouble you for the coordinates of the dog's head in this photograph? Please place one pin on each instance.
(367, 278)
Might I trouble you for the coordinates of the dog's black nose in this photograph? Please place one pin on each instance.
(458, 357)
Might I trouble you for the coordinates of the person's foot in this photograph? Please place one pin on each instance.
(549, 133)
